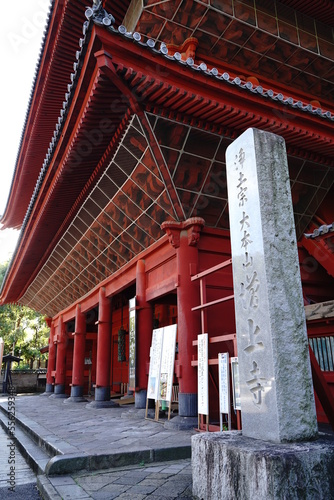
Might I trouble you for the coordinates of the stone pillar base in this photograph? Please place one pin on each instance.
(76, 391)
(227, 465)
(102, 399)
(102, 404)
(76, 395)
(140, 399)
(59, 391)
(48, 390)
(188, 405)
(102, 393)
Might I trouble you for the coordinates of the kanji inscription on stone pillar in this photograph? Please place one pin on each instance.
(277, 401)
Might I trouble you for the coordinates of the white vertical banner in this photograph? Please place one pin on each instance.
(203, 374)
(235, 384)
(167, 363)
(224, 382)
(155, 364)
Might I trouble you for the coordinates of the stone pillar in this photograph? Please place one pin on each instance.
(51, 362)
(103, 357)
(59, 390)
(78, 356)
(144, 327)
(276, 455)
(277, 400)
(184, 237)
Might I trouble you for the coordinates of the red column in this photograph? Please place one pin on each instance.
(184, 237)
(102, 389)
(144, 326)
(78, 355)
(51, 361)
(61, 359)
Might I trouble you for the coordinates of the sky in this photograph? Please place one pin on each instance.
(20, 41)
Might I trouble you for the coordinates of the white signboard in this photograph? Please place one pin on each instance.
(203, 375)
(155, 364)
(235, 384)
(224, 382)
(167, 363)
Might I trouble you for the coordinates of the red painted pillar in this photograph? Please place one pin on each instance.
(184, 237)
(78, 356)
(60, 360)
(102, 389)
(144, 327)
(51, 361)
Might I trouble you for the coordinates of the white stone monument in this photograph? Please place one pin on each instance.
(277, 400)
(276, 455)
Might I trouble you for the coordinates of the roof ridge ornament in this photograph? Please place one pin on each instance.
(99, 15)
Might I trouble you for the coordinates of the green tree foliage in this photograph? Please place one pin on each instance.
(23, 330)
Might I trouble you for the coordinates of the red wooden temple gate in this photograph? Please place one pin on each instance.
(126, 195)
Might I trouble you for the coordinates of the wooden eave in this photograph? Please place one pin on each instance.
(52, 77)
(116, 66)
(66, 180)
(171, 88)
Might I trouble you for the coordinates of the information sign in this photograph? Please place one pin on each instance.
(203, 375)
(224, 382)
(167, 363)
(155, 364)
(235, 384)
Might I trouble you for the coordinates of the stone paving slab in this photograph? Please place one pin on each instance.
(159, 481)
(77, 436)
(101, 453)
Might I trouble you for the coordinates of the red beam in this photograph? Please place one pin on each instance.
(213, 303)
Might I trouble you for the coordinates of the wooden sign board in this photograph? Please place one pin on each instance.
(155, 364)
(203, 374)
(167, 363)
(224, 388)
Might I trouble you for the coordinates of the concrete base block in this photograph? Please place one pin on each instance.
(227, 465)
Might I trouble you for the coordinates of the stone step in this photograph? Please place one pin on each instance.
(36, 457)
(41, 436)
(64, 458)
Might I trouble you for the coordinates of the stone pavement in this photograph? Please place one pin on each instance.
(83, 452)
(163, 481)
